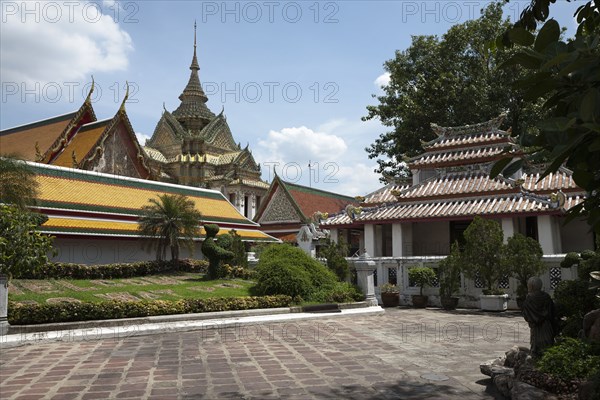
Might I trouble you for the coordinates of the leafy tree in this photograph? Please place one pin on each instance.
(523, 257)
(240, 258)
(453, 80)
(567, 73)
(170, 220)
(17, 182)
(22, 247)
(335, 254)
(484, 249)
(450, 268)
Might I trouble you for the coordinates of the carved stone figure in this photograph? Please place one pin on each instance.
(539, 312)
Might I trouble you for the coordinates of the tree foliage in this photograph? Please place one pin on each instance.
(170, 221)
(452, 80)
(335, 254)
(22, 247)
(483, 252)
(567, 73)
(17, 182)
(523, 257)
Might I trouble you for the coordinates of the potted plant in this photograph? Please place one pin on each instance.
(390, 295)
(523, 257)
(450, 268)
(483, 258)
(421, 277)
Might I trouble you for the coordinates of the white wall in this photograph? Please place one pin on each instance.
(108, 251)
(431, 238)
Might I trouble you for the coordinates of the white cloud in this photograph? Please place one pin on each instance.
(142, 137)
(64, 42)
(300, 145)
(383, 79)
(335, 150)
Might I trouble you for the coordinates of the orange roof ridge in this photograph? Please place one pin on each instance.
(45, 121)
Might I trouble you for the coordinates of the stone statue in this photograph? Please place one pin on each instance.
(538, 310)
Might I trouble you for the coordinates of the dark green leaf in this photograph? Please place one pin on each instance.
(499, 166)
(557, 124)
(589, 109)
(521, 36)
(512, 168)
(549, 33)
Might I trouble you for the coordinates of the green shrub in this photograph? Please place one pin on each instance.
(587, 254)
(588, 265)
(113, 271)
(27, 314)
(238, 272)
(573, 300)
(341, 292)
(283, 269)
(523, 258)
(334, 254)
(571, 359)
(421, 276)
(570, 260)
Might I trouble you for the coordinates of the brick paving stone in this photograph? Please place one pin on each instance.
(367, 357)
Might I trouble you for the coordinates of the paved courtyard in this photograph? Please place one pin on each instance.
(401, 354)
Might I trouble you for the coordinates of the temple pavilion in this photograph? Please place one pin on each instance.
(94, 215)
(451, 185)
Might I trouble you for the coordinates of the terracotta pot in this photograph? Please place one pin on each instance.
(419, 301)
(449, 303)
(390, 299)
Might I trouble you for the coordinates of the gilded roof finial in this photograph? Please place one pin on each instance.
(89, 96)
(195, 65)
(122, 108)
(38, 153)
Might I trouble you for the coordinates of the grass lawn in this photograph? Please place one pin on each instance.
(172, 286)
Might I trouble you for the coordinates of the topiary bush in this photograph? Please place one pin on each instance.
(284, 269)
(215, 254)
(570, 260)
(571, 359)
(573, 300)
(421, 277)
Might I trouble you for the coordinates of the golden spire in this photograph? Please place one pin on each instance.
(89, 96)
(122, 108)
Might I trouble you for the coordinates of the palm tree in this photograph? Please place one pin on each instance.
(170, 220)
(17, 182)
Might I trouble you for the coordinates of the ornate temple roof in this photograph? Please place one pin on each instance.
(304, 201)
(43, 140)
(82, 202)
(384, 195)
(460, 159)
(502, 205)
(81, 143)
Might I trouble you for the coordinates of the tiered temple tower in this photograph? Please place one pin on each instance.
(195, 147)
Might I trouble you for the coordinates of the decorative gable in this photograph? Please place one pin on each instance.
(280, 209)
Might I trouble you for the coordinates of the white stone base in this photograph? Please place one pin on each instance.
(494, 302)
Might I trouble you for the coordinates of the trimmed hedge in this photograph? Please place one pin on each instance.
(113, 271)
(29, 314)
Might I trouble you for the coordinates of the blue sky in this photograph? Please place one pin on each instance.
(294, 77)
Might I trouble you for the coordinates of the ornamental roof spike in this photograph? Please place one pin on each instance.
(89, 96)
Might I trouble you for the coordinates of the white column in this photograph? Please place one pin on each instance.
(334, 235)
(369, 235)
(546, 233)
(253, 210)
(397, 240)
(508, 228)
